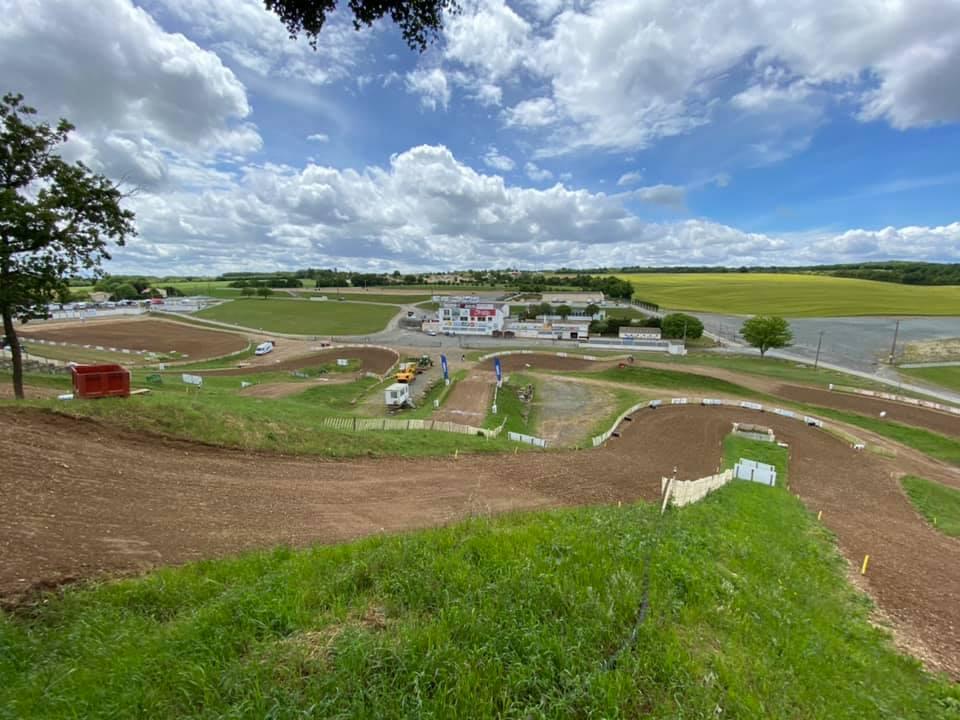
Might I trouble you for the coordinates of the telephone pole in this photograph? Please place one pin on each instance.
(893, 348)
(816, 362)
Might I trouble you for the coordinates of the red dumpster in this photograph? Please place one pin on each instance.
(97, 381)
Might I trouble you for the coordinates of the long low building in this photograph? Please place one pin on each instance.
(470, 315)
(549, 328)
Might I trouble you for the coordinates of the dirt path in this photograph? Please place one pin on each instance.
(371, 359)
(469, 400)
(82, 499)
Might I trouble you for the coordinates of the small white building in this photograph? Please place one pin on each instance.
(633, 332)
(397, 395)
(470, 315)
(572, 298)
(550, 328)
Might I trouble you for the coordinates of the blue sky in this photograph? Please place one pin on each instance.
(534, 133)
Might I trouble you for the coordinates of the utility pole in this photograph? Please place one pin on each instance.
(816, 362)
(893, 348)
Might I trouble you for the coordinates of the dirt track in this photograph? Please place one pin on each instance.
(469, 400)
(896, 412)
(141, 334)
(286, 389)
(371, 360)
(82, 499)
(546, 361)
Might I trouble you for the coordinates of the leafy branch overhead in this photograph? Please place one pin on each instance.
(420, 21)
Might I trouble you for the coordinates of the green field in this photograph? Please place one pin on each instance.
(948, 377)
(939, 504)
(791, 295)
(390, 299)
(521, 616)
(302, 317)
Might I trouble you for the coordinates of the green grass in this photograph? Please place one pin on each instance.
(736, 447)
(623, 400)
(947, 377)
(289, 425)
(792, 295)
(302, 317)
(750, 616)
(669, 380)
(939, 504)
(520, 417)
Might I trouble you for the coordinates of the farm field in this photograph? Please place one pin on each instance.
(791, 295)
(302, 317)
(534, 605)
(377, 297)
(157, 336)
(948, 377)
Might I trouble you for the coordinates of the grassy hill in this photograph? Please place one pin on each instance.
(522, 616)
(792, 295)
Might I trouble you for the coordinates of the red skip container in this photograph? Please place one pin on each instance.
(98, 381)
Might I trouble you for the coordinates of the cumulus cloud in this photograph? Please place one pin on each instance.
(498, 161)
(318, 137)
(426, 209)
(537, 174)
(144, 99)
(246, 33)
(534, 113)
(665, 66)
(432, 87)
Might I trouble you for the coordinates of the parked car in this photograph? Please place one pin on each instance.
(264, 348)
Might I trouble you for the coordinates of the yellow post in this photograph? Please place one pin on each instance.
(866, 561)
(456, 454)
(819, 515)
(515, 449)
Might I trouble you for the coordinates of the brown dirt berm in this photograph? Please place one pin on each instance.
(142, 334)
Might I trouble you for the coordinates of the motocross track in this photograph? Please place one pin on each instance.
(83, 499)
(149, 334)
(372, 359)
(469, 400)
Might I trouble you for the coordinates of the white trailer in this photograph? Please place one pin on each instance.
(397, 395)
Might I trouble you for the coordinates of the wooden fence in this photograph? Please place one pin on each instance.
(685, 492)
(390, 424)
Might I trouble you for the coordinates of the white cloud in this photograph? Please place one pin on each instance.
(672, 196)
(319, 137)
(489, 37)
(426, 209)
(622, 74)
(432, 87)
(537, 174)
(246, 33)
(143, 100)
(534, 113)
(630, 178)
(495, 159)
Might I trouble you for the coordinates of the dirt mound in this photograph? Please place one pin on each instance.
(546, 361)
(940, 422)
(372, 359)
(141, 334)
(286, 389)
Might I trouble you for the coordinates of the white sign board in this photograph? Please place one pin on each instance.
(192, 379)
(342, 362)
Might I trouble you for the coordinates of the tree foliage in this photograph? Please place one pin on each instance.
(420, 21)
(56, 219)
(767, 331)
(264, 292)
(678, 325)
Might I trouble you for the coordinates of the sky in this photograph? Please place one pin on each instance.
(532, 134)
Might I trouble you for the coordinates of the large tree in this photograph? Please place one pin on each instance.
(767, 331)
(420, 21)
(56, 219)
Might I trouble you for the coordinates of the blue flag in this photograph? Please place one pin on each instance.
(499, 370)
(443, 364)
